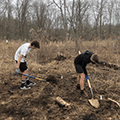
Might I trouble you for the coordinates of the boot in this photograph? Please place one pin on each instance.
(83, 93)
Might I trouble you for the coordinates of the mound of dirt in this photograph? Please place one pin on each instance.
(60, 57)
(51, 79)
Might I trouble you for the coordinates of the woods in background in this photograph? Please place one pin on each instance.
(60, 20)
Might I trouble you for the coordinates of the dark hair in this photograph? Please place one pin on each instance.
(35, 43)
(95, 58)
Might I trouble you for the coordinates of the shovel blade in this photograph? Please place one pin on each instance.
(94, 102)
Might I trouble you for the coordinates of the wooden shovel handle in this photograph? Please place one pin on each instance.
(89, 83)
(90, 86)
(79, 52)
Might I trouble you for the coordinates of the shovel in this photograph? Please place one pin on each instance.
(32, 77)
(93, 102)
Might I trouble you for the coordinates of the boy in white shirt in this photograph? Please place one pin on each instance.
(19, 57)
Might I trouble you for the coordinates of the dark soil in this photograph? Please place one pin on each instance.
(38, 103)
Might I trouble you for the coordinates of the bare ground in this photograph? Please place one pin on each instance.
(38, 103)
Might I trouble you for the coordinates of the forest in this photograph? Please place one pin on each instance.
(60, 19)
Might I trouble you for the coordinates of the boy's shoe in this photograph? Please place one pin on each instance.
(24, 87)
(29, 83)
(83, 93)
(78, 86)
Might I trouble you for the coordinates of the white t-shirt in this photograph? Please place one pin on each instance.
(22, 50)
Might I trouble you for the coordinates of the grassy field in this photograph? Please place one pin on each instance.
(38, 103)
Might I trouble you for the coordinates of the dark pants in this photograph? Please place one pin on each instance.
(23, 66)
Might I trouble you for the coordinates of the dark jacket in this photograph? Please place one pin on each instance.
(83, 59)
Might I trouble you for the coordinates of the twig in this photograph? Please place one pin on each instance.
(114, 101)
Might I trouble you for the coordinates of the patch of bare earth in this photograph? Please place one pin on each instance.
(38, 103)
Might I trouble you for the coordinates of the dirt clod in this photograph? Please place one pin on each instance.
(51, 79)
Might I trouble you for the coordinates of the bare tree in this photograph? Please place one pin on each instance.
(22, 8)
(6, 11)
(110, 11)
(81, 10)
(102, 6)
(63, 13)
(71, 19)
(40, 13)
(98, 9)
(116, 17)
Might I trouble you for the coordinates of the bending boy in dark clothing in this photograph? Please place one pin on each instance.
(80, 63)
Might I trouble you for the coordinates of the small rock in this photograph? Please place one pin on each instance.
(61, 77)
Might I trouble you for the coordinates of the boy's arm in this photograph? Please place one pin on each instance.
(19, 59)
(85, 71)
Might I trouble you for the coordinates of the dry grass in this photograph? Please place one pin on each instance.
(108, 50)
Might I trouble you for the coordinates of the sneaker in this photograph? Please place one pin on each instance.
(83, 93)
(25, 87)
(29, 83)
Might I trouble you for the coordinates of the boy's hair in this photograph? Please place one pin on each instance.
(35, 43)
(95, 58)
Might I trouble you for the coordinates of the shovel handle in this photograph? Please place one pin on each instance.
(90, 86)
(32, 77)
(79, 52)
(89, 83)
(40, 79)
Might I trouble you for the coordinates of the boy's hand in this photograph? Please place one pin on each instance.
(17, 71)
(87, 77)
